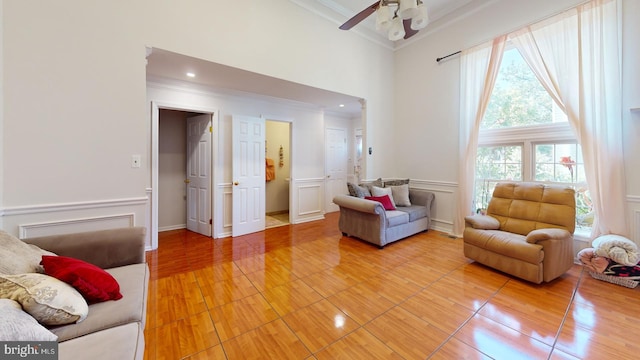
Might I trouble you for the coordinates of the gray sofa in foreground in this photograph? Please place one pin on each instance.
(112, 329)
(369, 221)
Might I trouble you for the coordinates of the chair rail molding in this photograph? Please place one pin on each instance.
(81, 205)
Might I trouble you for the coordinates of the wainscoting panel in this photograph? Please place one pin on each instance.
(76, 225)
(227, 211)
(445, 199)
(60, 218)
(308, 200)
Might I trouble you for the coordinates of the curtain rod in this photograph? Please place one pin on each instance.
(528, 24)
(444, 57)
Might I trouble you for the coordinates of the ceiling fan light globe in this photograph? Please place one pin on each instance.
(408, 9)
(383, 18)
(396, 32)
(421, 20)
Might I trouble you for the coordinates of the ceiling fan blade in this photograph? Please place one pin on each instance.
(360, 16)
(408, 31)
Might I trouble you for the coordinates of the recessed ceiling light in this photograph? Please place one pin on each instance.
(191, 75)
(341, 105)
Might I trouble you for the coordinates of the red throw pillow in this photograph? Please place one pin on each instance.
(384, 200)
(93, 283)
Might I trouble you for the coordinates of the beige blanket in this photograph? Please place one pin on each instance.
(617, 248)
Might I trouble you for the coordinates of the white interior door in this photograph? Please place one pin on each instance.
(336, 166)
(199, 174)
(248, 194)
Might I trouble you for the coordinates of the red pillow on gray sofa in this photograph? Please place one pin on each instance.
(95, 284)
(384, 200)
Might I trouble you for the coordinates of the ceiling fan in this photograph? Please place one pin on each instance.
(401, 18)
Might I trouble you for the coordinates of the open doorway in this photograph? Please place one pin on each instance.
(184, 178)
(278, 172)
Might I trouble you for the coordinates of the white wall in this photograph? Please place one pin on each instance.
(75, 107)
(172, 170)
(427, 95)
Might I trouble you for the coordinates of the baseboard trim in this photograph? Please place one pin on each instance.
(172, 227)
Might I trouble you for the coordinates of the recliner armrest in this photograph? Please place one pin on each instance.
(546, 234)
(482, 222)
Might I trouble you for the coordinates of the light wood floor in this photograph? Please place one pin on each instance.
(305, 292)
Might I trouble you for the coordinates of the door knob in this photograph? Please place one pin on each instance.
(235, 183)
(186, 181)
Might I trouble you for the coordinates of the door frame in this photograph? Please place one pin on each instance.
(291, 154)
(155, 146)
(293, 210)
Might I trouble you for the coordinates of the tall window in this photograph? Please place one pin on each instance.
(524, 136)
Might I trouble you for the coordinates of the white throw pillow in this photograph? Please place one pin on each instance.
(47, 299)
(18, 257)
(378, 191)
(401, 195)
(17, 325)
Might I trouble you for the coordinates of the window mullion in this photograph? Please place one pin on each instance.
(528, 163)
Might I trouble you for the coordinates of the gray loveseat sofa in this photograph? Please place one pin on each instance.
(112, 329)
(369, 221)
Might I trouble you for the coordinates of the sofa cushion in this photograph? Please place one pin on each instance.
(93, 283)
(401, 195)
(17, 325)
(120, 342)
(396, 217)
(378, 191)
(396, 182)
(104, 315)
(505, 243)
(358, 191)
(415, 211)
(47, 299)
(524, 207)
(377, 182)
(18, 257)
(384, 200)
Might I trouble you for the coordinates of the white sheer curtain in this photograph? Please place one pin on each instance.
(576, 57)
(478, 71)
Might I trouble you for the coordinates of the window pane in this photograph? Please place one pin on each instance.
(494, 164)
(518, 98)
(557, 163)
(584, 208)
(562, 163)
(544, 172)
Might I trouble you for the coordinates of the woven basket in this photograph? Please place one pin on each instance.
(614, 279)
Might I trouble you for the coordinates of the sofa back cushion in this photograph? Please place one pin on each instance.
(18, 257)
(523, 207)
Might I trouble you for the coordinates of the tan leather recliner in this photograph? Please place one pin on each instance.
(527, 232)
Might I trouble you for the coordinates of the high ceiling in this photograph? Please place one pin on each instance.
(340, 11)
(167, 65)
